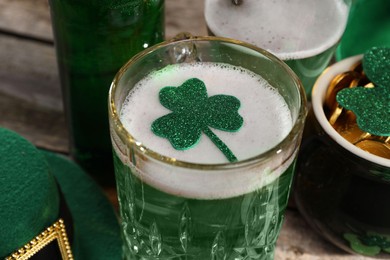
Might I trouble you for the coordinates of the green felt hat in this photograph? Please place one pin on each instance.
(36, 189)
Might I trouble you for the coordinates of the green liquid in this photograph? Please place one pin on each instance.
(93, 40)
(158, 225)
(308, 69)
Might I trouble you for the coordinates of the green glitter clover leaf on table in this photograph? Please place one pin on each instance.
(371, 105)
(193, 112)
(369, 244)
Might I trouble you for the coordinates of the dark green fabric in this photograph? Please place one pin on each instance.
(368, 26)
(97, 235)
(29, 200)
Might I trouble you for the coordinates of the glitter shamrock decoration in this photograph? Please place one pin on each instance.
(369, 244)
(371, 105)
(193, 112)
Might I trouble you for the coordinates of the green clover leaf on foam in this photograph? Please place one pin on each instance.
(193, 112)
(371, 105)
(369, 244)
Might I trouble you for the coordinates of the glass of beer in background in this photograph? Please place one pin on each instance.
(194, 203)
(303, 33)
(93, 39)
(342, 183)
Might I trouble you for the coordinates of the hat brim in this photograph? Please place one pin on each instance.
(96, 227)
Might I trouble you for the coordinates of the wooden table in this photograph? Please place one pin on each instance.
(30, 99)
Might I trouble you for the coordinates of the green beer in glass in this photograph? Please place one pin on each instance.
(94, 38)
(303, 33)
(194, 203)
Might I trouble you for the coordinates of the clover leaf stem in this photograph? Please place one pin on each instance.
(220, 144)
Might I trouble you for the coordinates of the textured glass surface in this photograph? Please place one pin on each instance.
(158, 225)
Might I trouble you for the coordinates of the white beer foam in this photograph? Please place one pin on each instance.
(267, 119)
(289, 29)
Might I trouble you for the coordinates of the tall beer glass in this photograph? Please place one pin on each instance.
(93, 40)
(196, 204)
(303, 33)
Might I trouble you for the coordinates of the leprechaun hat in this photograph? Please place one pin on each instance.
(49, 208)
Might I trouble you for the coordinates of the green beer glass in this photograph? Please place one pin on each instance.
(175, 209)
(303, 33)
(93, 40)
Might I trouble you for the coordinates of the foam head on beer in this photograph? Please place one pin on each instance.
(266, 116)
(289, 29)
(267, 120)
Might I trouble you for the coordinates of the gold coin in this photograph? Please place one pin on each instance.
(338, 83)
(347, 127)
(337, 112)
(375, 147)
(355, 82)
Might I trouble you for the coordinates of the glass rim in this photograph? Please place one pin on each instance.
(318, 98)
(294, 131)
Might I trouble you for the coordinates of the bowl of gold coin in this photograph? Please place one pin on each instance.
(342, 185)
